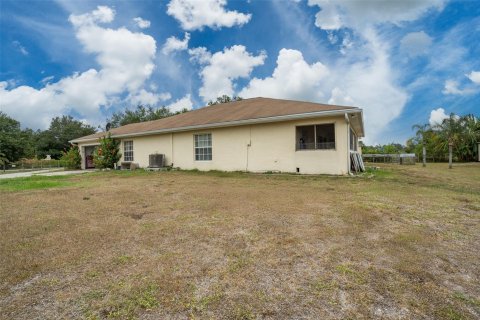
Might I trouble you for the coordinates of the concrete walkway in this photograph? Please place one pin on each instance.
(55, 172)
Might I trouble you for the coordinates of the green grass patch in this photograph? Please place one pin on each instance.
(239, 261)
(349, 272)
(321, 286)
(35, 182)
(469, 300)
(450, 313)
(128, 304)
(200, 305)
(378, 172)
(242, 312)
(123, 259)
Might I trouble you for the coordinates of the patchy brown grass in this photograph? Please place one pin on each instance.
(401, 242)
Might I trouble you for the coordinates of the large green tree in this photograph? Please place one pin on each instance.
(140, 114)
(224, 99)
(3, 160)
(56, 139)
(15, 143)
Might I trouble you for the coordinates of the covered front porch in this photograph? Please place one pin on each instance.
(86, 152)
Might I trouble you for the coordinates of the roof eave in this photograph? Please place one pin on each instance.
(234, 123)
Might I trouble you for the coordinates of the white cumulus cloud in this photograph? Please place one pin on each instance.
(174, 44)
(415, 43)
(141, 23)
(196, 14)
(365, 75)
(126, 62)
(340, 98)
(293, 78)
(337, 14)
(452, 87)
(437, 116)
(199, 55)
(144, 97)
(222, 68)
(474, 76)
(102, 14)
(180, 104)
(368, 83)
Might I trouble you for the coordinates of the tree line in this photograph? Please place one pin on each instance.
(456, 137)
(17, 143)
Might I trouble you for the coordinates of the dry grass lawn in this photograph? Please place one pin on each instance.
(402, 242)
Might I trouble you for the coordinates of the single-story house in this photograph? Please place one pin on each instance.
(255, 135)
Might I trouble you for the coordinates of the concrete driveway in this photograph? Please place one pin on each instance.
(54, 172)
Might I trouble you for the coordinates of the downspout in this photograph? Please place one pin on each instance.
(171, 145)
(248, 146)
(348, 144)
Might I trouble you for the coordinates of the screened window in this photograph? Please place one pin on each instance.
(203, 147)
(353, 141)
(128, 150)
(316, 137)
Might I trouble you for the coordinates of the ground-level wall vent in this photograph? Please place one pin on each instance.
(156, 160)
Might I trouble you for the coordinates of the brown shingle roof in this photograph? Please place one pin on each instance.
(247, 109)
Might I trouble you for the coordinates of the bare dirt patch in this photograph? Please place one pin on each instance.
(400, 243)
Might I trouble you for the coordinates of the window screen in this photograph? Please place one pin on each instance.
(325, 134)
(353, 141)
(320, 136)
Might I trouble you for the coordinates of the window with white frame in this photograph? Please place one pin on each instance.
(203, 147)
(128, 150)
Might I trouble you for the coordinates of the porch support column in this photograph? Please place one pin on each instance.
(82, 156)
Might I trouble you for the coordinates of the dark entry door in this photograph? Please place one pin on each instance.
(89, 157)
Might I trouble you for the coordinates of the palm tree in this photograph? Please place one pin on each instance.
(450, 132)
(470, 126)
(421, 132)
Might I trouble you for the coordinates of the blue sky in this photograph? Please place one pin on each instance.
(403, 62)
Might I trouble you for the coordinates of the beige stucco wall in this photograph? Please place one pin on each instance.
(255, 148)
(145, 146)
